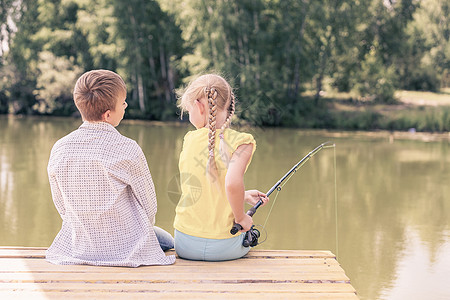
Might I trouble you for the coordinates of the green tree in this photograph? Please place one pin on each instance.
(236, 38)
(333, 28)
(43, 27)
(98, 43)
(386, 32)
(19, 74)
(151, 47)
(62, 56)
(375, 82)
(340, 43)
(7, 16)
(57, 76)
(271, 51)
(428, 56)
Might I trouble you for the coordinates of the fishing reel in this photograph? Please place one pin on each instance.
(251, 237)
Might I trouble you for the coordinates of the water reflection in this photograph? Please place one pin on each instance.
(393, 198)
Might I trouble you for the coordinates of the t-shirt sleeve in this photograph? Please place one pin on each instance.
(239, 139)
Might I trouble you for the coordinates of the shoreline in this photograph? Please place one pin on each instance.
(337, 133)
(393, 135)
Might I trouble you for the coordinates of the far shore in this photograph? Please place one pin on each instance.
(390, 136)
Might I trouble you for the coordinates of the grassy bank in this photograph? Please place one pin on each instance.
(414, 111)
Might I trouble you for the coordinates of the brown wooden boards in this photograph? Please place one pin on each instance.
(262, 274)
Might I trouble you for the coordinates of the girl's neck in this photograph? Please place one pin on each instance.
(220, 119)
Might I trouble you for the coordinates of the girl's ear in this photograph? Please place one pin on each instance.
(200, 106)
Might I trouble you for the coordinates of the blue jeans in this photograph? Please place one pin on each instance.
(164, 238)
(196, 248)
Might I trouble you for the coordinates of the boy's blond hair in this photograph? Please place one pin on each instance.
(96, 92)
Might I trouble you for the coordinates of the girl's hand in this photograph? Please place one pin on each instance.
(253, 196)
(246, 222)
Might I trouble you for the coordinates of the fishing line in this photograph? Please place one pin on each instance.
(252, 235)
(262, 229)
(276, 196)
(336, 205)
(270, 210)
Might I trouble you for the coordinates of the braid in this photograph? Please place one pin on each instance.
(221, 103)
(224, 148)
(231, 110)
(212, 97)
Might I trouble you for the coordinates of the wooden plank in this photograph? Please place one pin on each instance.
(175, 295)
(22, 248)
(262, 274)
(289, 254)
(32, 266)
(181, 287)
(276, 276)
(237, 263)
(38, 252)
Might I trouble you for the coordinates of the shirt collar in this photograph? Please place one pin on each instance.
(98, 126)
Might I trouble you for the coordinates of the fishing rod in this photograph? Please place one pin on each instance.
(251, 238)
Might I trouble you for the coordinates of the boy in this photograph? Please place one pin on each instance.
(102, 187)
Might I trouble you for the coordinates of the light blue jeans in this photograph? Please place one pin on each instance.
(164, 238)
(196, 248)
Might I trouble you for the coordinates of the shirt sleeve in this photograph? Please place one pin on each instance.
(54, 187)
(142, 186)
(57, 196)
(242, 139)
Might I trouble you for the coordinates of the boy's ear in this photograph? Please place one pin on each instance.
(106, 115)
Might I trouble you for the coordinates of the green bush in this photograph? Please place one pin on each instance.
(422, 79)
(375, 82)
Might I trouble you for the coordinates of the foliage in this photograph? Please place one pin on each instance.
(57, 76)
(429, 46)
(375, 82)
(151, 46)
(271, 51)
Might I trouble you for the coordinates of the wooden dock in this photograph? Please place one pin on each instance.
(262, 274)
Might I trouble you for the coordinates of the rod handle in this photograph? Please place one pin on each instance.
(236, 227)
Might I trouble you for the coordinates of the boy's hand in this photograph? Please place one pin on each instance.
(253, 196)
(246, 222)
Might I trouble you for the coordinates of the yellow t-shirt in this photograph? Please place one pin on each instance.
(203, 209)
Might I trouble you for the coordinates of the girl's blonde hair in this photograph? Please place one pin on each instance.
(220, 97)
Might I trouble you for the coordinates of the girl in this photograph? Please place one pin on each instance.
(212, 164)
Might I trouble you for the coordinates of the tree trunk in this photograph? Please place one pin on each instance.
(325, 53)
(163, 59)
(239, 42)
(138, 62)
(171, 82)
(299, 54)
(140, 91)
(257, 48)
(151, 62)
(323, 63)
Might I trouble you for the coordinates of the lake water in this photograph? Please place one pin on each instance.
(393, 197)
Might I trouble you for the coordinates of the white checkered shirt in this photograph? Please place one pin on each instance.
(102, 188)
